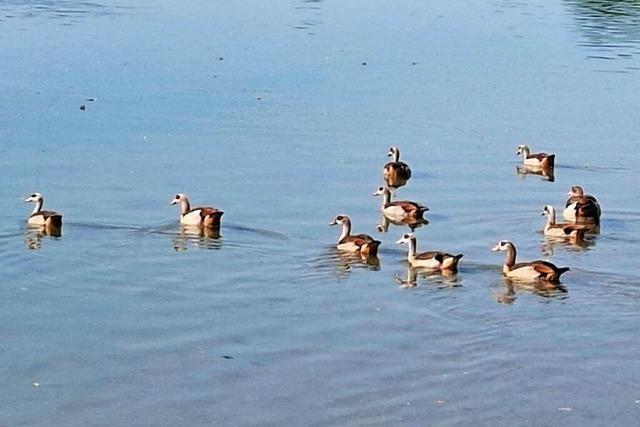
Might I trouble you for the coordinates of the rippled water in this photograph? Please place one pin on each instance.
(281, 115)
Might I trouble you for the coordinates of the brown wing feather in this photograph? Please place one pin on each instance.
(409, 207)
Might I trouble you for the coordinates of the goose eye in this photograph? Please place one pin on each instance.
(177, 196)
(33, 195)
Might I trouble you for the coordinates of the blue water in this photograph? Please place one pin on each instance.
(280, 114)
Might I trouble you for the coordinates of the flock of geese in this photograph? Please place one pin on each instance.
(581, 213)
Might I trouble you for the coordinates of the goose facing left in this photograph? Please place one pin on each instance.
(362, 243)
(203, 215)
(40, 217)
(432, 260)
(399, 209)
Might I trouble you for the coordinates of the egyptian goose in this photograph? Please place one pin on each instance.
(433, 260)
(206, 216)
(581, 207)
(399, 209)
(562, 229)
(527, 271)
(536, 160)
(40, 217)
(395, 173)
(362, 243)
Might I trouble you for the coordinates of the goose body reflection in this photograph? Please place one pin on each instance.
(35, 233)
(40, 217)
(395, 173)
(206, 216)
(431, 260)
(581, 207)
(546, 174)
(541, 288)
(399, 209)
(196, 235)
(527, 271)
(410, 222)
(361, 243)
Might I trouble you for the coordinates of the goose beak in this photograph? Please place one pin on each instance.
(174, 201)
(543, 213)
(399, 242)
(333, 222)
(496, 248)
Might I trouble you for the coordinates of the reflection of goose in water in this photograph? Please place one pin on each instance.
(412, 223)
(34, 234)
(195, 235)
(441, 278)
(538, 288)
(546, 174)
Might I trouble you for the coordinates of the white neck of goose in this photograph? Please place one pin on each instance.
(38, 206)
(185, 206)
(346, 229)
(551, 216)
(396, 155)
(413, 246)
(510, 256)
(386, 197)
(525, 152)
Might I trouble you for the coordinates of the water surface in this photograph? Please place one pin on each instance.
(281, 115)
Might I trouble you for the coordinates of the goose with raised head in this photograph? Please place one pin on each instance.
(205, 216)
(527, 271)
(361, 243)
(433, 260)
(536, 160)
(40, 217)
(399, 209)
(561, 229)
(395, 173)
(581, 207)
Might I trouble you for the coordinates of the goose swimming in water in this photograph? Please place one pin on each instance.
(536, 160)
(562, 229)
(40, 217)
(206, 216)
(433, 260)
(527, 271)
(362, 243)
(581, 207)
(399, 209)
(395, 173)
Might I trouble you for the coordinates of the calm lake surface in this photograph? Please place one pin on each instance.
(281, 114)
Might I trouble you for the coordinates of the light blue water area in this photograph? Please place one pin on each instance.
(281, 114)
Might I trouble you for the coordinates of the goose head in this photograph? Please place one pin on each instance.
(381, 191)
(503, 245)
(33, 198)
(340, 219)
(406, 238)
(180, 197)
(549, 211)
(576, 190)
(522, 149)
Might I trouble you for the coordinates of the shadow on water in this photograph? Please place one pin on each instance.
(609, 29)
(341, 264)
